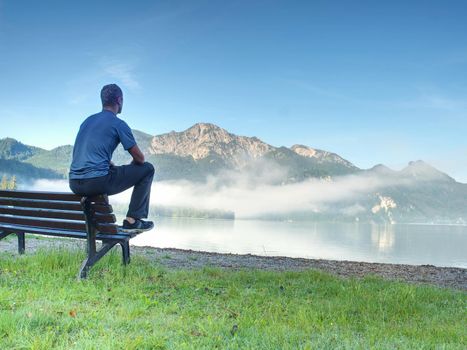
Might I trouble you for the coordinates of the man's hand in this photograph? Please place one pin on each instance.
(138, 156)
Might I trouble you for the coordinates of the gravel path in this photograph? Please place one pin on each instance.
(181, 259)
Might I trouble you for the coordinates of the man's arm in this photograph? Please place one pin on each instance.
(138, 156)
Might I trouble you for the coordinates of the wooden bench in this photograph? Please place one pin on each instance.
(64, 215)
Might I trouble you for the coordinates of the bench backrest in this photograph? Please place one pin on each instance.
(55, 210)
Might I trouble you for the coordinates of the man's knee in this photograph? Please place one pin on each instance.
(149, 167)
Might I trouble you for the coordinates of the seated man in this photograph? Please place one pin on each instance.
(92, 171)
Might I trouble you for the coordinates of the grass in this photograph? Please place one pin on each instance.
(144, 306)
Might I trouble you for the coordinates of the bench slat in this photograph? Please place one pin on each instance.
(35, 203)
(43, 213)
(63, 233)
(55, 214)
(58, 196)
(57, 224)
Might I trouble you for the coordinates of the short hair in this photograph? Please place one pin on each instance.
(110, 94)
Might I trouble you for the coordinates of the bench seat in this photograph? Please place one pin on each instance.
(63, 214)
(64, 233)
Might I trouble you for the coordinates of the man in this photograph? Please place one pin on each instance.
(91, 170)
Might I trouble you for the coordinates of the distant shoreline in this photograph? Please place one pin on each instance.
(446, 277)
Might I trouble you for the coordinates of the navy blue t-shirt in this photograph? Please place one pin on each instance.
(95, 143)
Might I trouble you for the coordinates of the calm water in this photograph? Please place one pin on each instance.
(409, 244)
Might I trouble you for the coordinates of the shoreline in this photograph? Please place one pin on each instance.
(447, 277)
(173, 258)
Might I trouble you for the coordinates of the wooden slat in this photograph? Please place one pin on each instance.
(57, 196)
(105, 218)
(102, 208)
(63, 233)
(56, 224)
(35, 203)
(32, 203)
(56, 214)
(43, 213)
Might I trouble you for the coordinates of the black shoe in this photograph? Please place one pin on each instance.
(138, 225)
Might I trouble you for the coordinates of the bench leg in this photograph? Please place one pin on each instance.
(4, 234)
(93, 258)
(21, 242)
(125, 252)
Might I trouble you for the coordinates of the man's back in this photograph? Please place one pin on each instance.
(95, 143)
(91, 171)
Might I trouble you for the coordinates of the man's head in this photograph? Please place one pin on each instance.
(112, 98)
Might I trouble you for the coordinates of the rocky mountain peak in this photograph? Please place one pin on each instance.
(207, 132)
(206, 127)
(320, 155)
(204, 139)
(304, 151)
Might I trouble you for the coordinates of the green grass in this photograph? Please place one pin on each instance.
(144, 306)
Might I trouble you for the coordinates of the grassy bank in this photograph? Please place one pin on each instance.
(144, 306)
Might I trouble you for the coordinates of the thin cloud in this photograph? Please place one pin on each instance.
(77, 99)
(123, 72)
(424, 97)
(435, 101)
(247, 197)
(311, 195)
(101, 72)
(433, 97)
(444, 103)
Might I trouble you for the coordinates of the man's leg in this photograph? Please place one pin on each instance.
(139, 203)
(138, 175)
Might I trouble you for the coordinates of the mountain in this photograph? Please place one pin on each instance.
(25, 172)
(422, 171)
(321, 156)
(417, 193)
(206, 149)
(58, 159)
(14, 157)
(12, 149)
(203, 140)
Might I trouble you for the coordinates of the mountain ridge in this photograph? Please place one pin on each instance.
(203, 152)
(204, 141)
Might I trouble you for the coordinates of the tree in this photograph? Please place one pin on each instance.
(4, 183)
(13, 185)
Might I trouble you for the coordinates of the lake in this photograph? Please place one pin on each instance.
(439, 245)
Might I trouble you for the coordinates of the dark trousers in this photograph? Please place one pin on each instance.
(119, 179)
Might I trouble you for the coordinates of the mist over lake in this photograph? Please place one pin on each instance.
(416, 243)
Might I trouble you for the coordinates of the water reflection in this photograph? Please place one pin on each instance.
(383, 237)
(410, 244)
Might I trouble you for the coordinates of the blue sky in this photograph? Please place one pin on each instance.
(374, 81)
